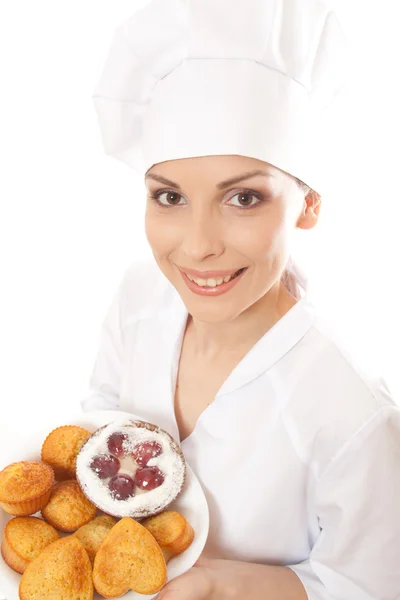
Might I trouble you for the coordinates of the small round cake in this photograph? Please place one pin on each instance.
(60, 448)
(23, 540)
(25, 487)
(131, 468)
(68, 507)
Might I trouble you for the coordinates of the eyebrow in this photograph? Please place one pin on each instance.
(221, 185)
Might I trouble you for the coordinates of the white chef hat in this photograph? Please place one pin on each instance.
(186, 78)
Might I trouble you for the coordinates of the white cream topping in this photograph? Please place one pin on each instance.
(143, 502)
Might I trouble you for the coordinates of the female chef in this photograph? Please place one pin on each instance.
(218, 105)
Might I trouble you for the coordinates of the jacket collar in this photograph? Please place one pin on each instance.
(269, 349)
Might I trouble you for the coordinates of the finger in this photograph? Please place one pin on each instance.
(192, 585)
(202, 561)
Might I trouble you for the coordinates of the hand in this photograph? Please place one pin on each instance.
(221, 579)
(195, 584)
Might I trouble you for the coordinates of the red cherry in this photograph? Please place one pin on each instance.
(121, 487)
(149, 478)
(144, 451)
(105, 465)
(115, 443)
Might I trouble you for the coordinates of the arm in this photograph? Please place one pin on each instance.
(219, 579)
(357, 554)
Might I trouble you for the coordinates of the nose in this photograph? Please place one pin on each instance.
(203, 236)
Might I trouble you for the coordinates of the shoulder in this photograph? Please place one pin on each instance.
(330, 396)
(144, 290)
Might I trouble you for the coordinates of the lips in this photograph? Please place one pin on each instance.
(209, 274)
(212, 281)
(214, 290)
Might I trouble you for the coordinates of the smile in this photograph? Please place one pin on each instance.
(213, 286)
(213, 282)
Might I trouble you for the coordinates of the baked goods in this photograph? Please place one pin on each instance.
(129, 555)
(25, 487)
(172, 531)
(61, 447)
(61, 571)
(131, 468)
(93, 533)
(23, 540)
(68, 508)
(129, 559)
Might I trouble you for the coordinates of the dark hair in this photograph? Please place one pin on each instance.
(306, 188)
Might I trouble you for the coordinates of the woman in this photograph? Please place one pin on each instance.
(297, 450)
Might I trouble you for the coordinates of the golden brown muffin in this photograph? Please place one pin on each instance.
(23, 540)
(61, 447)
(61, 571)
(93, 533)
(172, 531)
(25, 487)
(68, 508)
(129, 558)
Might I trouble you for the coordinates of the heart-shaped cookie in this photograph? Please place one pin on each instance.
(62, 570)
(129, 558)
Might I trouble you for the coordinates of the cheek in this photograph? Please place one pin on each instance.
(149, 227)
(161, 235)
(258, 237)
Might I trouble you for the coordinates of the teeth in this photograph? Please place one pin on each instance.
(211, 282)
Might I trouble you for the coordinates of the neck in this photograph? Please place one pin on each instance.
(208, 340)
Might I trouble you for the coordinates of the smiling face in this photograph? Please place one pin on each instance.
(203, 220)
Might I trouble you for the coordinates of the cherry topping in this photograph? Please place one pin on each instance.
(121, 487)
(149, 478)
(115, 443)
(105, 465)
(144, 451)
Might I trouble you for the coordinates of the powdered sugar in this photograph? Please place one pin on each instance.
(143, 503)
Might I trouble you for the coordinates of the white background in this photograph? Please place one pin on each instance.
(72, 218)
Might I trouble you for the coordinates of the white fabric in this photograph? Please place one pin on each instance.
(203, 77)
(299, 454)
(295, 279)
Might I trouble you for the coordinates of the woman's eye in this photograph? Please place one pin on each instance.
(245, 199)
(171, 198)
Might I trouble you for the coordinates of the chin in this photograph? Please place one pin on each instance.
(203, 311)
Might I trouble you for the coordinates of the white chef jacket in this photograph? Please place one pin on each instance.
(298, 455)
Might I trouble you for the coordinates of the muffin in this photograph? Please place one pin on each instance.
(172, 531)
(68, 508)
(25, 487)
(23, 540)
(93, 533)
(61, 571)
(61, 447)
(129, 558)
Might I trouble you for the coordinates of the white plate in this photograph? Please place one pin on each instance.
(191, 503)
